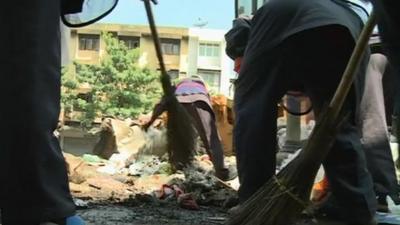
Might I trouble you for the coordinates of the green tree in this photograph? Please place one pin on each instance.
(118, 86)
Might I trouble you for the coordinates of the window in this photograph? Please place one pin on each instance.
(130, 42)
(248, 7)
(260, 3)
(245, 7)
(90, 42)
(171, 46)
(209, 50)
(212, 78)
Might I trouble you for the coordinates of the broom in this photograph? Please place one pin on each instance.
(181, 135)
(282, 199)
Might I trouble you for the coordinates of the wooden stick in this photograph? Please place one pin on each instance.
(165, 79)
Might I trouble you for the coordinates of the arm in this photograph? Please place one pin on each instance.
(157, 111)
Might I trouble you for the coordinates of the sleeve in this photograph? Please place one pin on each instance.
(157, 111)
(237, 38)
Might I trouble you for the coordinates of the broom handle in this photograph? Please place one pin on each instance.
(165, 79)
(352, 67)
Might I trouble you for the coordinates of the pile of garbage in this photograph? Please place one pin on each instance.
(132, 165)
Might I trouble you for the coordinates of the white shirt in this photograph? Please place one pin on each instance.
(367, 6)
(361, 13)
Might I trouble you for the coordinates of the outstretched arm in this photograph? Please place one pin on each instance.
(157, 111)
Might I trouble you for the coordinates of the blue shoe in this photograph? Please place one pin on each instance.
(72, 220)
(75, 220)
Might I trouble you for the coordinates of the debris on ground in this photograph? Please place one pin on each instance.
(148, 192)
(135, 183)
(138, 169)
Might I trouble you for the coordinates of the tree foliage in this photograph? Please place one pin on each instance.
(117, 86)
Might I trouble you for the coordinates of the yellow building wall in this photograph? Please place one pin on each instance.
(148, 56)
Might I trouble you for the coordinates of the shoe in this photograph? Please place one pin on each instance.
(382, 205)
(226, 174)
(72, 220)
(331, 221)
(330, 213)
(75, 220)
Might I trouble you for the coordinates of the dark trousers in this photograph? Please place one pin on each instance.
(34, 183)
(389, 27)
(374, 131)
(204, 122)
(314, 59)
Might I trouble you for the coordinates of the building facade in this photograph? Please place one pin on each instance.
(187, 51)
(207, 58)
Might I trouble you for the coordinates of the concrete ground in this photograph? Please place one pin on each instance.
(151, 215)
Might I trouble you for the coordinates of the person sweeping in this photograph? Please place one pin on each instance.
(181, 134)
(193, 95)
(307, 44)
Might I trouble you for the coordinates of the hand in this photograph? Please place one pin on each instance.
(146, 126)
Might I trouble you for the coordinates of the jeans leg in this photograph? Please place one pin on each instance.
(33, 171)
(211, 133)
(261, 85)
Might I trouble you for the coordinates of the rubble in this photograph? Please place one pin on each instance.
(305, 132)
(150, 175)
(187, 201)
(131, 168)
(120, 137)
(143, 189)
(92, 159)
(147, 165)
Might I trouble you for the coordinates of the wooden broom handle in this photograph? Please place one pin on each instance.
(165, 79)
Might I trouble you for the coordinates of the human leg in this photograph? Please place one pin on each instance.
(33, 173)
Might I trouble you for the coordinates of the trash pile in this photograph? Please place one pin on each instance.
(138, 170)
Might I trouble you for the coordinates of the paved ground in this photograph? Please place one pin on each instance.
(169, 214)
(151, 215)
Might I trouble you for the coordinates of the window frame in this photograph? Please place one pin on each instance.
(216, 73)
(134, 39)
(171, 46)
(254, 6)
(93, 39)
(205, 47)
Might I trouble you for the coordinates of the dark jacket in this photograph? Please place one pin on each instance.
(237, 38)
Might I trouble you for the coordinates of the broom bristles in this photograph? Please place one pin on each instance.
(181, 135)
(281, 200)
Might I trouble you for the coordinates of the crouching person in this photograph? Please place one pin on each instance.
(307, 44)
(193, 95)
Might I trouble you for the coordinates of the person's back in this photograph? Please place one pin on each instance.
(192, 89)
(300, 43)
(193, 95)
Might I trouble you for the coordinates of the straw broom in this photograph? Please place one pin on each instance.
(282, 199)
(181, 135)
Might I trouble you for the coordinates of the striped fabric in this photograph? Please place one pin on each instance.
(190, 87)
